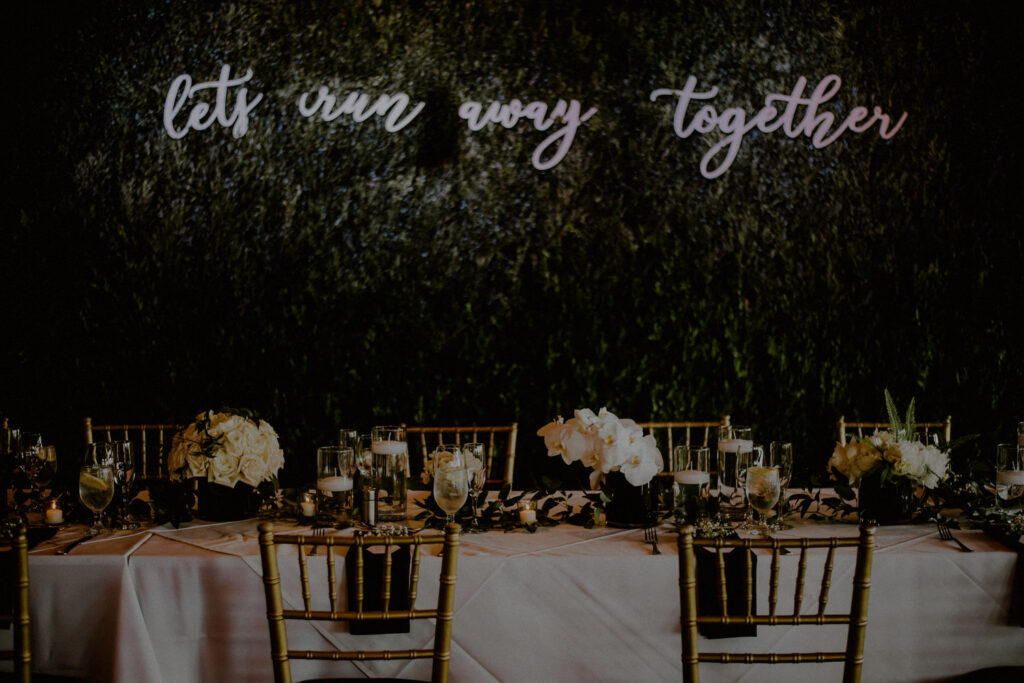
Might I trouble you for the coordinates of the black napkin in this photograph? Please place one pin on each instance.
(1012, 540)
(708, 603)
(373, 582)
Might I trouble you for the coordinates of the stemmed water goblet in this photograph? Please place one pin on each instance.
(476, 474)
(780, 455)
(96, 490)
(763, 487)
(124, 478)
(451, 485)
(1009, 476)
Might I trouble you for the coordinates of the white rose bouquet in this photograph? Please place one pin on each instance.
(225, 448)
(896, 454)
(606, 444)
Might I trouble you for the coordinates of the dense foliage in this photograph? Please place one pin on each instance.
(330, 274)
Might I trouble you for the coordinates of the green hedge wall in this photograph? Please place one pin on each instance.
(330, 274)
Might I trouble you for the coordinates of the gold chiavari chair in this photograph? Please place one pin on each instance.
(686, 428)
(14, 549)
(856, 620)
(499, 442)
(443, 613)
(153, 441)
(842, 426)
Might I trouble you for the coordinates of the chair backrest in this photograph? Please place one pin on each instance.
(499, 442)
(152, 442)
(842, 426)
(443, 613)
(856, 619)
(683, 432)
(14, 550)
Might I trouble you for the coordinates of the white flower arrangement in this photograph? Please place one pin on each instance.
(226, 448)
(606, 444)
(896, 453)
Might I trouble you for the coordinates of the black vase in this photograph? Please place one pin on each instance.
(219, 503)
(630, 506)
(891, 503)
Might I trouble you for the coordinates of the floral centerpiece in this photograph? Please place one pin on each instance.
(616, 450)
(221, 450)
(894, 470)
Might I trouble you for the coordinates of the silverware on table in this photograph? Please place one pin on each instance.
(651, 536)
(318, 531)
(65, 549)
(946, 535)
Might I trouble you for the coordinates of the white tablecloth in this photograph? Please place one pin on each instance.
(563, 604)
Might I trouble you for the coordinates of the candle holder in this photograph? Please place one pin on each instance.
(54, 514)
(307, 505)
(528, 515)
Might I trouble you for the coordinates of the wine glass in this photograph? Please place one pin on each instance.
(124, 478)
(476, 474)
(763, 489)
(100, 453)
(451, 485)
(96, 489)
(1009, 476)
(747, 458)
(780, 454)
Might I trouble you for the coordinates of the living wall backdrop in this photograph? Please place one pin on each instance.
(330, 273)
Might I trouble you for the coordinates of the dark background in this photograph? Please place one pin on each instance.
(330, 274)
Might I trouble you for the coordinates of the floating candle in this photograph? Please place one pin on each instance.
(698, 477)
(336, 483)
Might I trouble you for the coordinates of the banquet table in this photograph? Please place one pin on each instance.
(165, 605)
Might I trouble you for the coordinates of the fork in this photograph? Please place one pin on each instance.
(946, 535)
(318, 531)
(651, 536)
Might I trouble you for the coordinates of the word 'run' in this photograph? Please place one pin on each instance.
(232, 106)
(818, 126)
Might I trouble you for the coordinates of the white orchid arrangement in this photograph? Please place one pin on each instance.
(896, 453)
(605, 443)
(226, 448)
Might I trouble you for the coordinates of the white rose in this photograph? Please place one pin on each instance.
(223, 469)
(252, 470)
(907, 459)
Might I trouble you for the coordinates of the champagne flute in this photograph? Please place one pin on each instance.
(451, 486)
(476, 474)
(732, 440)
(763, 493)
(780, 454)
(96, 489)
(747, 458)
(124, 475)
(1009, 476)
